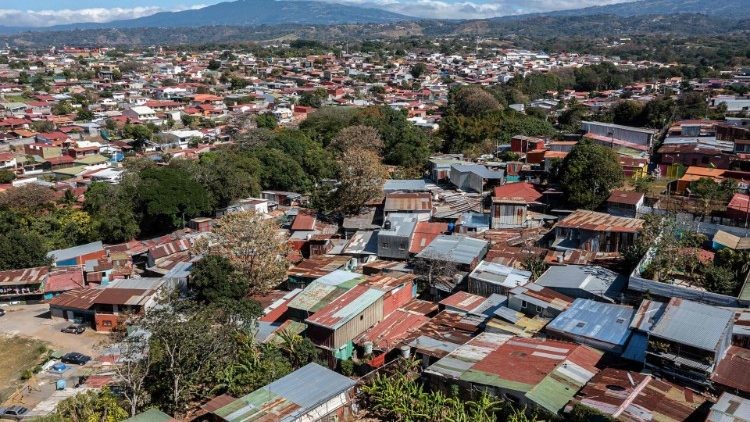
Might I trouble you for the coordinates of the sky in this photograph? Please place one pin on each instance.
(55, 12)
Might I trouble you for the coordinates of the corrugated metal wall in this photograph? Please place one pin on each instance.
(357, 325)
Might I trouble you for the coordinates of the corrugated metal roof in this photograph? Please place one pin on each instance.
(600, 222)
(604, 322)
(23, 277)
(521, 363)
(76, 251)
(636, 348)
(347, 306)
(734, 369)
(288, 398)
(405, 185)
(390, 332)
(648, 313)
(464, 357)
(631, 396)
(730, 408)
(462, 301)
(500, 275)
(693, 323)
(408, 202)
(459, 249)
(363, 242)
(593, 279)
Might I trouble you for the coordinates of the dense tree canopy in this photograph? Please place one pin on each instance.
(589, 172)
(167, 197)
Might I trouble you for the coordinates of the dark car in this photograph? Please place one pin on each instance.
(2, 312)
(74, 329)
(75, 358)
(13, 412)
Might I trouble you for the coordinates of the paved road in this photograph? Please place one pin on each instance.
(33, 321)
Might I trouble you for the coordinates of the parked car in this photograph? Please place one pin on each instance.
(13, 412)
(75, 358)
(74, 329)
(2, 312)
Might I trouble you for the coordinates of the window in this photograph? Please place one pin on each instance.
(581, 324)
(523, 304)
(106, 323)
(538, 308)
(385, 245)
(361, 317)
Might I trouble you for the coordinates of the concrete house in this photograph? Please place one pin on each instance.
(291, 398)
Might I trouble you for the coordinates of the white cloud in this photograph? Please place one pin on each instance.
(40, 18)
(474, 10)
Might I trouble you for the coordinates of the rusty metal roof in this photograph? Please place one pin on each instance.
(734, 370)
(22, 277)
(631, 396)
(318, 267)
(463, 301)
(390, 332)
(600, 222)
(346, 307)
(421, 201)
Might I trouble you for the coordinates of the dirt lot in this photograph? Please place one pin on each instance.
(17, 354)
(23, 329)
(32, 321)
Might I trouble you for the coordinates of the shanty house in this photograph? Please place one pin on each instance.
(77, 255)
(535, 300)
(474, 177)
(311, 393)
(489, 277)
(418, 204)
(689, 340)
(631, 396)
(603, 326)
(510, 205)
(321, 292)
(104, 307)
(542, 374)
(585, 282)
(334, 326)
(394, 238)
(596, 232)
(25, 284)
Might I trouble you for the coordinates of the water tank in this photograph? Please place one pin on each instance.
(405, 352)
(368, 348)
(387, 224)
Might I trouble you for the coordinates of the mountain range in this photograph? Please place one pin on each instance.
(262, 20)
(311, 12)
